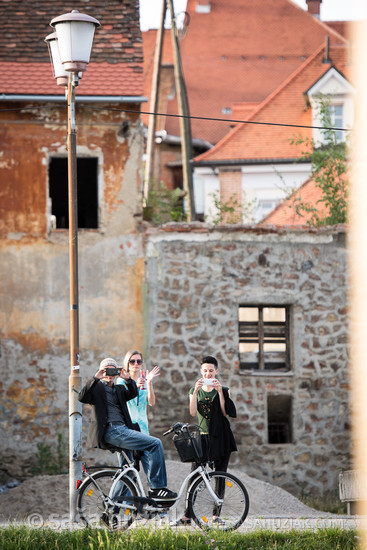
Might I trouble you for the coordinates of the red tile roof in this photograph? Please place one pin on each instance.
(116, 66)
(240, 52)
(100, 79)
(285, 213)
(258, 140)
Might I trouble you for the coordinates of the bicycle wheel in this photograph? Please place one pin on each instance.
(229, 515)
(92, 505)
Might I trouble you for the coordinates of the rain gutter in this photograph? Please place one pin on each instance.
(79, 99)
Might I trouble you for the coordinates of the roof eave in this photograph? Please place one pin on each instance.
(244, 162)
(78, 98)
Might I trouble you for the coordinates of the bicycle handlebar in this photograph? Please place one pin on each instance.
(175, 428)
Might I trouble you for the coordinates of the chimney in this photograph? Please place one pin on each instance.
(314, 7)
(203, 6)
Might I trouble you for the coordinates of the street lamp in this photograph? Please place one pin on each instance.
(70, 48)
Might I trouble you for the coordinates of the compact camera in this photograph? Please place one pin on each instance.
(209, 381)
(112, 371)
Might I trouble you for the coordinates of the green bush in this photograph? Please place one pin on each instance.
(164, 206)
(50, 461)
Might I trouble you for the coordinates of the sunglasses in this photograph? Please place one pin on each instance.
(137, 361)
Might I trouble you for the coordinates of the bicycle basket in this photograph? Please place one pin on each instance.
(188, 444)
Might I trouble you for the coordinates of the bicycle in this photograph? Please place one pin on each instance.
(115, 497)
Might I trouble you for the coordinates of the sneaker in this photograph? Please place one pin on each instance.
(219, 521)
(162, 494)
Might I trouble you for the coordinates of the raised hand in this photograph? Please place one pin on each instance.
(152, 374)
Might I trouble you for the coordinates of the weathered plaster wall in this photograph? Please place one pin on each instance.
(195, 281)
(34, 271)
(31, 133)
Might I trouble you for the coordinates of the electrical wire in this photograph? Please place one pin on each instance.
(192, 117)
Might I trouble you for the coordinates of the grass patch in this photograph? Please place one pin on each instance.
(24, 538)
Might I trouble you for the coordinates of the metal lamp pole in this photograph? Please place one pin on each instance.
(75, 380)
(70, 48)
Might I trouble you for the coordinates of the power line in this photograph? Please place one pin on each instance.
(192, 117)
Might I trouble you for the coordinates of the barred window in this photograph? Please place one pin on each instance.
(264, 342)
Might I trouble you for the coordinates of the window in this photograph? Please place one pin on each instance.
(87, 180)
(264, 337)
(279, 419)
(336, 115)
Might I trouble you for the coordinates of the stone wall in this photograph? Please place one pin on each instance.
(174, 291)
(195, 279)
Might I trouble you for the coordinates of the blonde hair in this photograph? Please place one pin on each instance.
(128, 356)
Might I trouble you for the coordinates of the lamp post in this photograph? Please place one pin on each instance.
(70, 48)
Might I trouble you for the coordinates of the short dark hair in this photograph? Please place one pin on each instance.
(210, 359)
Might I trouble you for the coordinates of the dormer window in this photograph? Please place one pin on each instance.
(338, 93)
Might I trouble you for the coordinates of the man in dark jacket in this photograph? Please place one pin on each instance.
(111, 424)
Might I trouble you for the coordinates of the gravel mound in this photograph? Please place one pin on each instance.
(46, 498)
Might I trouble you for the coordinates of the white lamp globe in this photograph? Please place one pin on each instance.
(75, 32)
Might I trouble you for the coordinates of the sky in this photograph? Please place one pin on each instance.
(331, 10)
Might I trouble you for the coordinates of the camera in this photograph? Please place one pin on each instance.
(209, 381)
(112, 371)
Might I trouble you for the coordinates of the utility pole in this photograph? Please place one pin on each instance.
(185, 127)
(149, 164)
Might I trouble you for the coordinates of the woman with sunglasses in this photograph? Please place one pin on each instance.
(133, 364)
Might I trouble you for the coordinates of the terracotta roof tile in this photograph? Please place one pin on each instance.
(285, 212)
(284, 107)
(240, 52)
(100, 79)
(116, 65)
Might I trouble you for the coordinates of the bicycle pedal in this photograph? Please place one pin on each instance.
(163, 504)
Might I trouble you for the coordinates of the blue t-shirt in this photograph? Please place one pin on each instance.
(138, 407)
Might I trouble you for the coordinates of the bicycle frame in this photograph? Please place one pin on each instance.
(135, 479)
(186, 485)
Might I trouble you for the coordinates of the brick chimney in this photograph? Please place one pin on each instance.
(314, 7)
(203, 6)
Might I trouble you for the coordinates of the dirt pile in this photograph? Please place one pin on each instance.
(46, 498)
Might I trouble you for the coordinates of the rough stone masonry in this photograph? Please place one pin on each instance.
(196, 279)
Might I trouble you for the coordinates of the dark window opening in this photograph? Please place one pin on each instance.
(279, 419)
(264, 341)
(87, 192)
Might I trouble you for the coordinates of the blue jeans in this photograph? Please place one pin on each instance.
(144, 460)
(155, 469)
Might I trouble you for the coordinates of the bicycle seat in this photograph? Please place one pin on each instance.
(113, 448)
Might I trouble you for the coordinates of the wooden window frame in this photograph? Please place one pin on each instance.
(264, 332)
